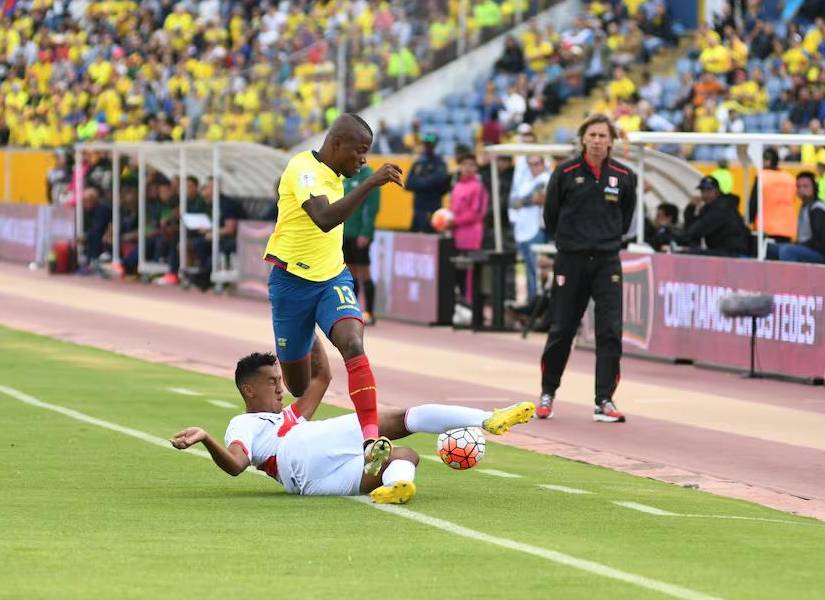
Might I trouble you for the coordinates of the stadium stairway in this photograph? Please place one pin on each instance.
(662, 64)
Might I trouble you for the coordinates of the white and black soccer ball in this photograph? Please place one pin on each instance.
(462, 448)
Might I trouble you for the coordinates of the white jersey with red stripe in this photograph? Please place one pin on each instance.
(260, 435)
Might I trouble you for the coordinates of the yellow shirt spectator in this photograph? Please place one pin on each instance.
(615, 41)
(42, 72)
(812, 155)
(796, 60)
(621, 89)
(628, 123)
(633, 6)
(746, 95)
(109, 102)
(812, 41)
(716, 59)
(739, 53)
(101, 72)
(537, 55)
(366, 76)
(178, 84)
(441, 32)
(706, 122)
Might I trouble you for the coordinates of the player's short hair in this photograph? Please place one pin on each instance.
(807, 175)
(362, 123)
(669, 210)
(250, 364)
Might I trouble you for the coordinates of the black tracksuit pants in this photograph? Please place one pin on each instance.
(578, 277)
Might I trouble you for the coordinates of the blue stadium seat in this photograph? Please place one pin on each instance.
(447, 132)
(465, 135)
(767, 123)
(445, 147)
(453, 101)
(440, 115)
(703, 153)
(751, 123)
(684, 65)
(562, 135)
(424, 115)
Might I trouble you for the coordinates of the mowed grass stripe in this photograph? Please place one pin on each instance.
(591, 567)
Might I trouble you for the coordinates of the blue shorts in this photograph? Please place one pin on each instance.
(298, 304)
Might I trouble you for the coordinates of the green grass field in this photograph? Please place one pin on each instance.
(90, 512)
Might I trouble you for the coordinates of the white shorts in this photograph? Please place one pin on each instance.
(323, 458)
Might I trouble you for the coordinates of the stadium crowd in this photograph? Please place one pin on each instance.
(74, 70)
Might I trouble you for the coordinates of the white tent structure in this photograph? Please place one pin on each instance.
(243, 170)
(671, 178)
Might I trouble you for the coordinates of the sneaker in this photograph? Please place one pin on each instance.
(376, 453)
(545, 408)
(502, 420)
(399, 492)
(606, 412)
(168, 279)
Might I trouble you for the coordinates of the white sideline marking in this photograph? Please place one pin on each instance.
(497, 473)
(551, 555)
(184, 391)
(664, 513)
(223, 404)
(563, 488)
(651, 510)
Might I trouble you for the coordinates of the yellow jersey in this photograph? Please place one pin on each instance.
(298, 245)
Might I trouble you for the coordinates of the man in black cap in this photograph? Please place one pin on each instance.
(428, 181)
(589, 206)
(714, 217)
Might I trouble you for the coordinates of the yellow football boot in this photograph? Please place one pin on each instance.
(503, 419)
(399, 492)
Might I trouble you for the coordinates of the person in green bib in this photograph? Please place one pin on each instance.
(359, 230)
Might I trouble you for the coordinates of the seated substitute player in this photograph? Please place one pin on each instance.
(310, 283)
(325, 458)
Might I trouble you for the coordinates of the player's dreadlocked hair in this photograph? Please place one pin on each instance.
(248, 365)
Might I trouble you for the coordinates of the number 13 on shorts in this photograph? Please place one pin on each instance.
(345, 294)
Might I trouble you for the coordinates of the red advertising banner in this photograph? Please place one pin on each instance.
(253, 271)
(671, 309)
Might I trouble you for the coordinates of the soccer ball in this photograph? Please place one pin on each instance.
(442, 219)
(462, 448)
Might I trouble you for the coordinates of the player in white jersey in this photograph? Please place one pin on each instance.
(326, 457)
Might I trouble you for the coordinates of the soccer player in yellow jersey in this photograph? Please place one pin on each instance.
(310, 283)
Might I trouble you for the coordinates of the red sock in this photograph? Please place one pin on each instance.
(363, 394)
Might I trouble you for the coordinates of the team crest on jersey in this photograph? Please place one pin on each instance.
(307, 179)
(560, 279)
(579, 180)
(613, 181)
(281, 342)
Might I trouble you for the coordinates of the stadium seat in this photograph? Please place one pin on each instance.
(752, 123)
(440, 115)
(562, 135)
(454, 101)
(767, 123)
(684, 65)
(465, 135)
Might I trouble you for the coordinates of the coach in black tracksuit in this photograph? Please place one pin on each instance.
(590, 202)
